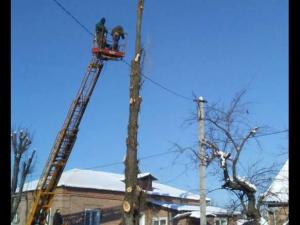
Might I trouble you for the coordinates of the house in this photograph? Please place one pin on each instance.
(277, 197)
(190, 214)
(87, 197)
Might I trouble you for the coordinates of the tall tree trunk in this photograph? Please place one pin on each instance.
(131, 202)
(252, 210)
(17, 196)
(15, 176)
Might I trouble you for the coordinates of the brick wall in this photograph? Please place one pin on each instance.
(73, 202)
(280, 215)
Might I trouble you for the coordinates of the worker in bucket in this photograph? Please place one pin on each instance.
(116, 33)
(101, 31)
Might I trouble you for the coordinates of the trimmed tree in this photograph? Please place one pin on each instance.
(227, 132)
(22, 164)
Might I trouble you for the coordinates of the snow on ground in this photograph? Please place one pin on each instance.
(243, 221)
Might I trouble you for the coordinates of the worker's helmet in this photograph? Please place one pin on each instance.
(102, 20)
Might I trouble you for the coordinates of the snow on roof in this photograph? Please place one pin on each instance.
(109, 181)
(194, 209)
(182, 215)
(279, 189)
(166, 190)
(196, 214)
(142, 175)
(87, 179)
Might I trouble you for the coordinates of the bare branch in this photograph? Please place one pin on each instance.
(225, 132)
(239, 149)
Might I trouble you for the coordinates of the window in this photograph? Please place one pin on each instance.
(159, 221)
(163, 222)
(155, 222)
(92, 217)
(220, 221)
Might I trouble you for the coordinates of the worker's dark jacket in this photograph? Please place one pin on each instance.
(118, 31)
(57, 219)
(100, 28)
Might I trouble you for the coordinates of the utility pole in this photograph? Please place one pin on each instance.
(202, 164)
(131, 203)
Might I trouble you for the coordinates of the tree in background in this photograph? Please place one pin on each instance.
(227, 131)
(22, 165)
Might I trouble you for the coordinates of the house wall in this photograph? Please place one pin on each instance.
(210, 220)
(73, 202)
(279, 216)
(194, 221)
(175, 200)
(23, 209)
(26, 202)
(186, 221)
(232, 220)
(183, 221)
(159, 212)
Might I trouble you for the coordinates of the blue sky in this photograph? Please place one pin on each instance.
(212, 48)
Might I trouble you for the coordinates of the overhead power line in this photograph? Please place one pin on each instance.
(162, 86)
(141, 158)
(161, 154)
(119, 163)
(151, 80)
(143, 75)
(259, 135)
(73, 17)
(155, 83)
(275, 132)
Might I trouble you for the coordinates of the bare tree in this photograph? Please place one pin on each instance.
(22, 165)
(133, 193)
(227, 132)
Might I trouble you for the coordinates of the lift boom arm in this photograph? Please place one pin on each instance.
(62, 147)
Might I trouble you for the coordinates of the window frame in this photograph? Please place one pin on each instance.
(159, 219)
(220, 220)
(94, 210)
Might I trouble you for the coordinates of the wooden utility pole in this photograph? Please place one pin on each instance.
(131, 203)
(202, 164)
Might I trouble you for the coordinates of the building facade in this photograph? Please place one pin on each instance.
(87, 197)
(277, 198)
